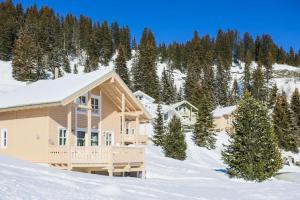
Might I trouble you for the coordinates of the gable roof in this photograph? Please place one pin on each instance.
(175, 105)
(59, 91)
(139, 92)
(220, 112)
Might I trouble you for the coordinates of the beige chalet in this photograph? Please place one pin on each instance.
(223, 118)
(89, 123)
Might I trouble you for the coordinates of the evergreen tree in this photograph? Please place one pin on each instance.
(253, 152)
(235, 92)
(222, 80)
(25, 62)
(144, 74)
(66, 63)
(203, 134)
(159, 129)
(121, 67)
(285, 125)
(273, 96)
(247, 73)
(258, 87)
(106, 51)
(168, 88)
(175, 145)
(295, 107)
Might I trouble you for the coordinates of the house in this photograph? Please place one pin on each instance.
(185, 111)
(223, 118)
(89, 123)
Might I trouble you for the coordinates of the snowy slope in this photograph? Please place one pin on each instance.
(199, 177)
(7, 83)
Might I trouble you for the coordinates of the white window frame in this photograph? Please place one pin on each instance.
(64, 129)
(112, 138)
(3, 138)
(99, 141)
(99, 105)
(80, 130)
(82, 111)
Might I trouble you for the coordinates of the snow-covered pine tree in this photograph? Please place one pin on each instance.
(203, 134)
(253, 152)
(66, 63)
(235, 93)
(121, 67)
(159, 129)
(285, 125)
(259, 86)
(272, 96)
(247, 72)
(295, 106)
(174, 144)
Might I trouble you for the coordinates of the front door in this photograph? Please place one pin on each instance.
(109, 138)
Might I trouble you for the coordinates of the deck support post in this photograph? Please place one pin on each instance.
(123, 119)
(100, 118)
(137, 129)
(69, 134)
(89, 121)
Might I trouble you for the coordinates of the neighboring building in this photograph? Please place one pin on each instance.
(184, 110)
(223, 119)
(77, 122)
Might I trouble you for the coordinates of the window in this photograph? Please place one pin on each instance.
(94, 139)
(81, 101)
(62, 137)
(127, 128)
(80, 138)
(95, 105)
(165, 116)
(3, 138)
(108, 138)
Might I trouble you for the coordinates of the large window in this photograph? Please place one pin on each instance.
(3, 138)
(62, 135)
(95, 105)
(80, 138)
(94, 139)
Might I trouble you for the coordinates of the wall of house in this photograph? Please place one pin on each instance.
(223, 124)
(27, 134)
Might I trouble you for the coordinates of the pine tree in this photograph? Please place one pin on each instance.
(203, 134)
(26, 61)
(159, 129)
(285, 125)
(222, 80)
(247, 73)
(106, 51)
(121, 67)
(273, 96)
(258, 87)
(168, 88)
(253, 152)
(175, 145)
(66, 63)
(235, 92)
(295, 107)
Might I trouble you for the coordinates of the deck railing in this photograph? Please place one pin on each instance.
(96, 155)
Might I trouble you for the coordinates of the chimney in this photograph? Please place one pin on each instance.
(55, 72)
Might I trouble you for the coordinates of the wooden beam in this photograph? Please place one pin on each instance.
(127, 100)
(89, 121)
(69, 133)
(123, 119)
(100, 118)
(111, 98)
(137, 129)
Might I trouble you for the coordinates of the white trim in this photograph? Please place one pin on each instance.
(67, 136)
(112, 138)
(2, 138)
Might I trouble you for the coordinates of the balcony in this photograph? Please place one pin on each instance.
(138, 139)
(103, 157)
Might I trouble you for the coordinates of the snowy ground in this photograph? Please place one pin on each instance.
(199, 177)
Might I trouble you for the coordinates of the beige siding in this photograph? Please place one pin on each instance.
(27, 134)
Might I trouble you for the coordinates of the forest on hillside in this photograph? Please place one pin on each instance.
(38, 40)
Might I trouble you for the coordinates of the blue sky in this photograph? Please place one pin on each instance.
(175, 20)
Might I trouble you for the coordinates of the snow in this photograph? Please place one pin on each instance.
(219, 112)
(201, 177)
(49, 91)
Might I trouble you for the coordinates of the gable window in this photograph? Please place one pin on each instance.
(3, 138)
(62, 137)
(95, 105)
(82, 100)
(94, 139)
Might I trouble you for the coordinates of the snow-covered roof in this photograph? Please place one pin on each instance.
(51, 91)
(219, 112)
(140, 93)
